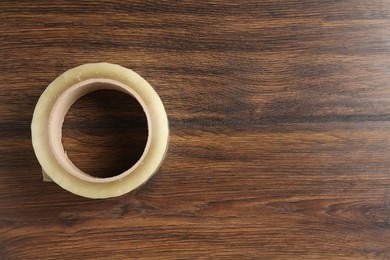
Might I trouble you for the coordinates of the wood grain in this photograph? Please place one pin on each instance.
(280, 129)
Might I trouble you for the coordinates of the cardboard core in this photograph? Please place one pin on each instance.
(61, 107)
(105, 132)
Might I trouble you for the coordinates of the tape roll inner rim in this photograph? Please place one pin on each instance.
(61, 107)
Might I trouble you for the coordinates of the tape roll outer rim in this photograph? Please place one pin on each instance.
(141, 172)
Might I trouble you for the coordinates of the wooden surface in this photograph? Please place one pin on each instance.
(280, 129)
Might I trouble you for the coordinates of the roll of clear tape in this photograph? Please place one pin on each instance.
(48, 118)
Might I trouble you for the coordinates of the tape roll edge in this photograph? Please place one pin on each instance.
(158, 131)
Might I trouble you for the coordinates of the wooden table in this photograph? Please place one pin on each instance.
(280, 129)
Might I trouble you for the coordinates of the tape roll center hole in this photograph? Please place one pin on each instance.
(105, 132)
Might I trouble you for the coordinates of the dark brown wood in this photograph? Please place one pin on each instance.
(280, 129)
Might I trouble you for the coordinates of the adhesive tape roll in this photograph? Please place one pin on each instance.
(49, 113)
